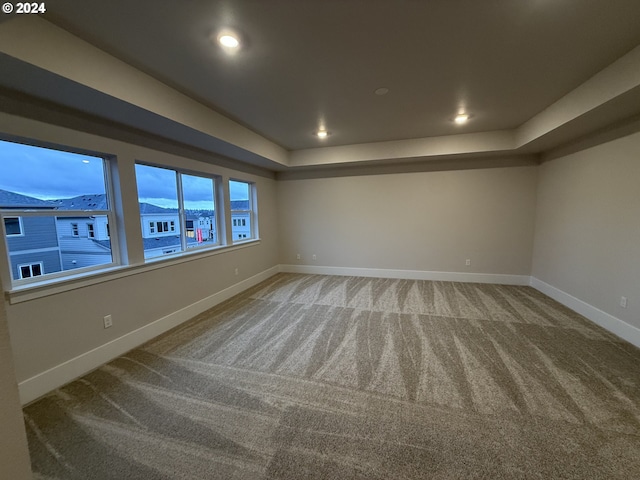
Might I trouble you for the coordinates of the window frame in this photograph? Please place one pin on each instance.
(252, 213)
(218, 213)
(21, 234)
(30, 265)
(62, 275)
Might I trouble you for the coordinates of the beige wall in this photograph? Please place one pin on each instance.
(429, 221)
(47, 331)
(14, 456)
(584, 208)
(587, 236)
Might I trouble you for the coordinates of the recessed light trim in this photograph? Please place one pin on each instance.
(381, 91)
(461, 118)
(228, 40)
(322, 133)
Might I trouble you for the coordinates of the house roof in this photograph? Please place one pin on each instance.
(92, 246)
(166, 242)
(239, 204)
(148, 208)
(15, 200)
(71, 245)
(83, 202)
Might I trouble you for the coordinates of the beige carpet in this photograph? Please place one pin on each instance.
(323, 377)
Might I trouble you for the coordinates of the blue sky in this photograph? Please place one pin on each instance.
(48, 174)
(51, 174)
(158, 187)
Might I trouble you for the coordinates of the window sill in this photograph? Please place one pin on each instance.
(25, 293)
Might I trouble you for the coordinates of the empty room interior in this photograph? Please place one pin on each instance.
(291, 239)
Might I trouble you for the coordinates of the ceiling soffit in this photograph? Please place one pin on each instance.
(605, 98)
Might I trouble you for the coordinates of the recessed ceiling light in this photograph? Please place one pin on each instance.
(322, 134)
(381, 91)
(461, 118)
(229, 41)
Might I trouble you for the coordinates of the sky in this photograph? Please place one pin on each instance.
(51, 174)
(48, 174)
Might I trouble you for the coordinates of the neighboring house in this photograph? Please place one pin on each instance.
(32, 241)
(48, 244)
(161, 229)
(78, 252)
(84, 240)
(41, 245)
(240, 220)
(200, 226)
(159, 222)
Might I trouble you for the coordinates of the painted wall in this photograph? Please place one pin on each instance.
(429, 221)
(53, 329)
(584, 208)
(587, 236)
(14, 456)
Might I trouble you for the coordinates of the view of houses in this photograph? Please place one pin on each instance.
(52, 241)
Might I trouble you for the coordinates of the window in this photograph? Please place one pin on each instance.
(191, 231)
(70, 189)
(30, 270)
(90, 231)
(173, 203)
(13, 226)
(242, 209)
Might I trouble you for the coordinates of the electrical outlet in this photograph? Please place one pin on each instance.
(314, 257)
(298, 257)
(623, 302)
(108, 321)
(237, 271)
(468, 261)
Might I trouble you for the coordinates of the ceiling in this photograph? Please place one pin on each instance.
(309, 64)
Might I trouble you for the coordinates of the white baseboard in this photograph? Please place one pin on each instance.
(55, 377)
(613, 324)
(504, 279)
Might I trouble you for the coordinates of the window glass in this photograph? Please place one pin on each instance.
(12, 226)
(52, 190)
(170, 200)
(240, 194)
(199, 208)
(70, 181)
(158, 199)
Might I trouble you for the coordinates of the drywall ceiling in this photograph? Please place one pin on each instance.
(305, 64)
